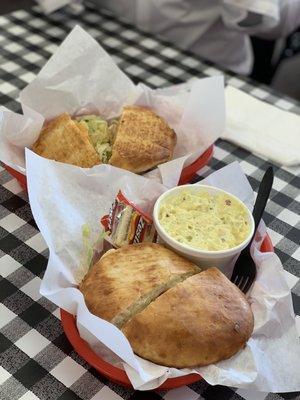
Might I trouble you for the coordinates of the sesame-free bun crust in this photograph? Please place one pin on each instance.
(62, 139)
(198, 322)
(143, 140)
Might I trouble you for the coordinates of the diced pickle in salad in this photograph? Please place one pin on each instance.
(205, 221)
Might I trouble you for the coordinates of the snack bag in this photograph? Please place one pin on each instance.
(127, 224)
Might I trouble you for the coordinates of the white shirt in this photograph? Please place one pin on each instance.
(210, 28)
(217, 30)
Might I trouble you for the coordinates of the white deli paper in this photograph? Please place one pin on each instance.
(82, 78)
(63, 198)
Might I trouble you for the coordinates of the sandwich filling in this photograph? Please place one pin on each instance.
(102, 134)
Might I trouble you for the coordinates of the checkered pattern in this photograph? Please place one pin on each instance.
(37, 362)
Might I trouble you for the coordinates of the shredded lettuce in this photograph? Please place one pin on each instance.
(87, 244)
(92, 245)
(105, 151)
(101, 133)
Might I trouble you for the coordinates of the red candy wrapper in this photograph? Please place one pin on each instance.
(127, 224)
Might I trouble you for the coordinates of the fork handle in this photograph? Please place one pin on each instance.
(261, 200)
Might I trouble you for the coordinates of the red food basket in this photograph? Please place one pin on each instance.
(115, 374)
(186, 175)
(20, 177)
(190, 171)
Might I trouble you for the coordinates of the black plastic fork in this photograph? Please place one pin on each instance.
(244, 271)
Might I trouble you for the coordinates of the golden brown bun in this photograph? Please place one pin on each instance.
(62, 139)
(143, 140)
(200, 321)
(121, 278)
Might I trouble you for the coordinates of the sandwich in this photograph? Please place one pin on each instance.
(204, 319)
(138, 140)
(63, 140)
(143, 140)
(124, 281)
(171, 312)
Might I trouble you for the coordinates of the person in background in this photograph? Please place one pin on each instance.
(217, 30)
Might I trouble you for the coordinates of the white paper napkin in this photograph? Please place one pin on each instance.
(261, 128)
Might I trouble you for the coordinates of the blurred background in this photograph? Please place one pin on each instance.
(259, 39)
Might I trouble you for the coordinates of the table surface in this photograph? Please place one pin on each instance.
(37, 362)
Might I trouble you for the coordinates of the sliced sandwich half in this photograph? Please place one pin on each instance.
(143, 140)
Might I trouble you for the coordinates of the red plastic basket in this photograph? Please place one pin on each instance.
(186, 175)
(190, 171)
(115, 374)
(20, 177)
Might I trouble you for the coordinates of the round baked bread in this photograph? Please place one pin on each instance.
(198, 322)
(172, 313)
(125, 280)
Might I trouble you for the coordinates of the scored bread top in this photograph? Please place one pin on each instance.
(131, 274)
(64, 140)
(200, 321)
(143, 140)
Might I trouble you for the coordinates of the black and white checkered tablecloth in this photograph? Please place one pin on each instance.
(36, 361)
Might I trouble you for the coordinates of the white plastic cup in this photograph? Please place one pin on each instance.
(203, 258)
